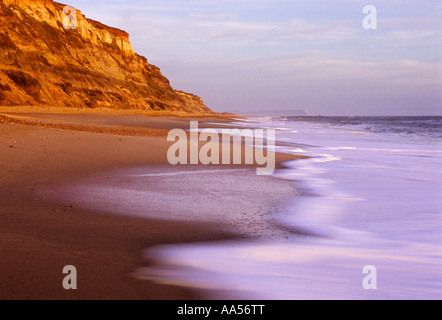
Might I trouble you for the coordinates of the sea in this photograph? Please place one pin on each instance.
(369, 208)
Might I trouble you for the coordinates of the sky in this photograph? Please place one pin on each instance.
(263, 55)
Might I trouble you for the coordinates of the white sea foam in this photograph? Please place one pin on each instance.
(369, 199)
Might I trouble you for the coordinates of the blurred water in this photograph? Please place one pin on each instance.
(371, 196)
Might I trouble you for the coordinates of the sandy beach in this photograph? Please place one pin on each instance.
(204, 151)
(44, 228)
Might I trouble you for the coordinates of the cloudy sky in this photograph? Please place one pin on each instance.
(247, 55)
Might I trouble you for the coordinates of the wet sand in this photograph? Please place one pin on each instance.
(42, 229)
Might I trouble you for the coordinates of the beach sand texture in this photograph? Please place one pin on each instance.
(43, 229)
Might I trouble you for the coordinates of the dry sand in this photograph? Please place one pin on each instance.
(41, 231)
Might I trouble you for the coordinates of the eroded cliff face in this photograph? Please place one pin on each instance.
(42, 63)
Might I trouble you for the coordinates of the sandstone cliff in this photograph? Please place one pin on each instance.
(42, 63)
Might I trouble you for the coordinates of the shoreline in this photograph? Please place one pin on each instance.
(39, 236)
